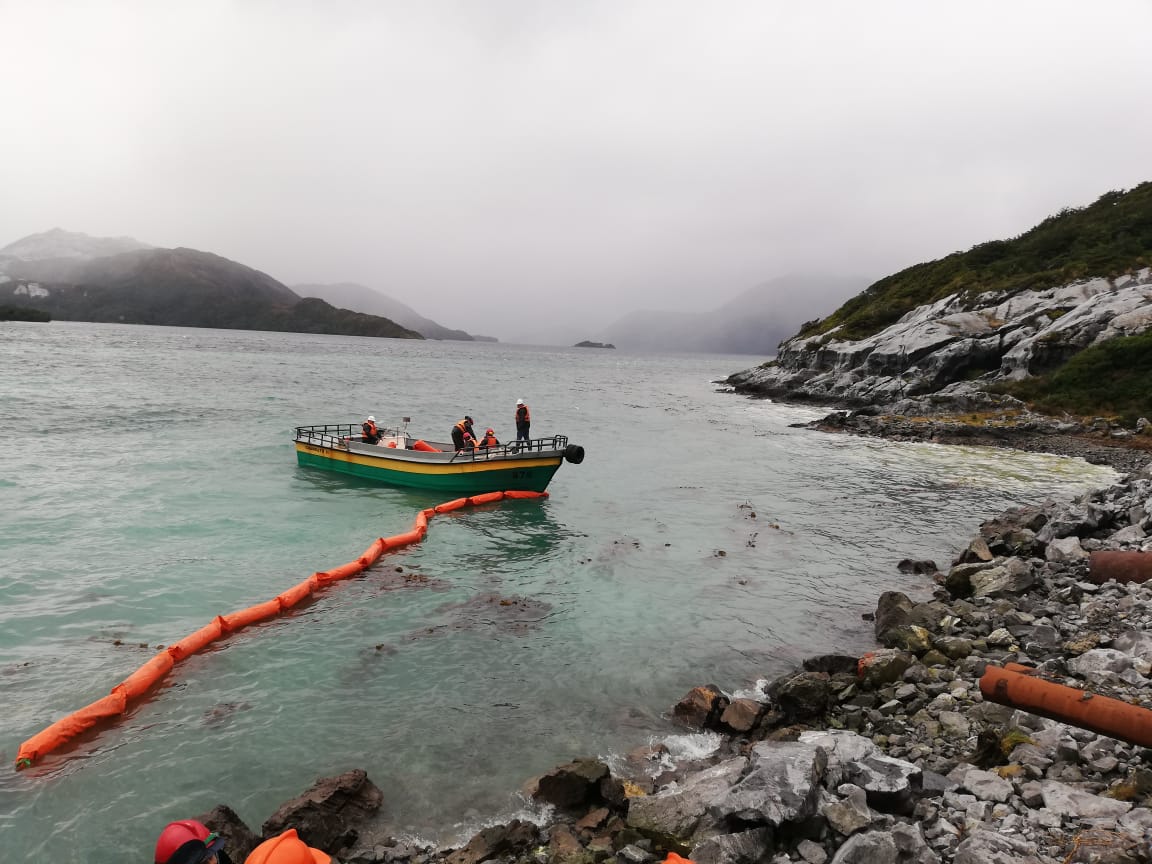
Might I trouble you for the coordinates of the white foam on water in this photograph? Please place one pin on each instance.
(690, 747)
(525, 809)
(757, 691)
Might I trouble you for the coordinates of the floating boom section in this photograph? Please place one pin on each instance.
(151, 673)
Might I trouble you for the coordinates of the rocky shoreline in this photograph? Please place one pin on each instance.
(889, 758)
(1100, 442)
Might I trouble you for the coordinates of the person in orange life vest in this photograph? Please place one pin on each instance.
(458, 431)
(489, 440)
(523, 420)
(371, 433)
(287, 848)
(189, 842)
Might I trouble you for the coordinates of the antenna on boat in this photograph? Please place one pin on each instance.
(406, 420)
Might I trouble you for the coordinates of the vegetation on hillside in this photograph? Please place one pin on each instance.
(212, 307)
(1109, 237)
(188, 288)
(1113, 378)
(23, 313)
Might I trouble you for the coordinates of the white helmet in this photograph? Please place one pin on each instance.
(371, 419)
(519, 401)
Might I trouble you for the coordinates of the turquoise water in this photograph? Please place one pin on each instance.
(148, 482)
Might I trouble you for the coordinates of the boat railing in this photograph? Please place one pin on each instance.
(513, 448)
(338, 435)
(333, 435)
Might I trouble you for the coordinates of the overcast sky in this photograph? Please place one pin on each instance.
(482, 160)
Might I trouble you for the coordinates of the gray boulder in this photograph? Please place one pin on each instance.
(782, 785)
(1014, 577)
(747, 847)
(873, 847)
(984, 846)
(1068, 801)
(677, 810)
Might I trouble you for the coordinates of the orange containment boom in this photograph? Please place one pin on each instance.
(1018, 687)
(149, 675)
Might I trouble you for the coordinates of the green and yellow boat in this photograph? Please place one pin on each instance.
(398, 459)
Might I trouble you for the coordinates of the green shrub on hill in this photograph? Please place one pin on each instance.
(1107, 238)
(23, 313)
(1113, 378)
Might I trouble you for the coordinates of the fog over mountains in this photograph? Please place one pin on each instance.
(361, 298)
(755, 322)
(58, 243)
(144, 284)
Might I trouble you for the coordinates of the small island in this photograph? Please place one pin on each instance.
(23, 313)
(594, 345)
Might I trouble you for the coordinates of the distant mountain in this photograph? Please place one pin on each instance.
(54, 256)
(59, 243)
(175, 287)
(753, 323)
(349, 295)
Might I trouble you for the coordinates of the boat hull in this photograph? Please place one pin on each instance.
(530, 473)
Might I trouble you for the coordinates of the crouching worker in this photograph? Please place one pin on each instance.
(287, 848)
(190, 842)
(489, 440)
(464, 427)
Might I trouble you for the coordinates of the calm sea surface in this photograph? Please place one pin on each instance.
(148, 483)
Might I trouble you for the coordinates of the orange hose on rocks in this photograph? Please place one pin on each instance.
(154, 670)
(1015, 686)
(1104, 565)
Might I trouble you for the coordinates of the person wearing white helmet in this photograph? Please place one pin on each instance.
(371, 433)
(523, 421)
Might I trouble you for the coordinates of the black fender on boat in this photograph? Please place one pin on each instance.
(574, 453)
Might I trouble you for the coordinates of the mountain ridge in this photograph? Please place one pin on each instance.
(361, 298)
(173, 287)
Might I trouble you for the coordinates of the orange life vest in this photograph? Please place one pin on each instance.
(370, 433)
(523, 415)
(489, 441)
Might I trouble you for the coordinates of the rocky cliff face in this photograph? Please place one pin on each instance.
(952, 348)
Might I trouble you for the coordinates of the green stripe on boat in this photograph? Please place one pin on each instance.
(527, 466)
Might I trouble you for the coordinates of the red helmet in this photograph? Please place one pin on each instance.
(186, 842)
